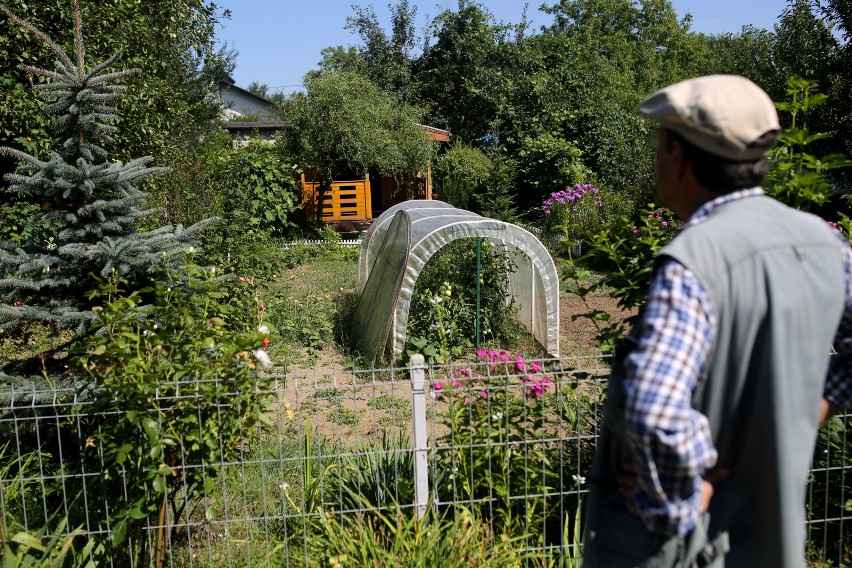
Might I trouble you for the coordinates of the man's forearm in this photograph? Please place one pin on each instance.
(827, 409)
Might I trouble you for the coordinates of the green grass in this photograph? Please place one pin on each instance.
(386, 401)
(310, 306)
(345, 415)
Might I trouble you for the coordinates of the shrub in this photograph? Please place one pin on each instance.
(623, 254)
(829, 489)
(461, 174)
(184, 374)
(797, 178)
(496, 453)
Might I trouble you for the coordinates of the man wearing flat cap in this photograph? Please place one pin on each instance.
(716, 396)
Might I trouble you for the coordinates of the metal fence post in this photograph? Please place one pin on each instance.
(418, 413)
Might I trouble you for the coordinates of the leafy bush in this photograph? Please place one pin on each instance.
(797, 178)
(184, 373)
(829, 489)
(442, 316)
(461, 174)
(623, 254)
(18, 222)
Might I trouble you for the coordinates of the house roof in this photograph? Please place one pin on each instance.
(437, 134)
(228, 83)
(433, 133)
(236, 126)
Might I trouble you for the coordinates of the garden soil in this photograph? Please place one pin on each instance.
(348, 415)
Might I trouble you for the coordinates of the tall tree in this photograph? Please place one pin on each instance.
(462, 75)
(92, 202)
(387, 58)
(172, 43)
(813, 42)
(169, 105)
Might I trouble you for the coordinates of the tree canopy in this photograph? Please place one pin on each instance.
(345, 124)
(558, 105)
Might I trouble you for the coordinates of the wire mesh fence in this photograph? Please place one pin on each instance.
(339, 455)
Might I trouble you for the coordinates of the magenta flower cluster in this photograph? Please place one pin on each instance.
(530, 373)
(661, 218)
(573, 197)
(835, 226)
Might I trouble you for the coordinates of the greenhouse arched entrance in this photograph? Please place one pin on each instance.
(402, 240)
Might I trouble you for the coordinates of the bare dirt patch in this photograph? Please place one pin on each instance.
(577, 335)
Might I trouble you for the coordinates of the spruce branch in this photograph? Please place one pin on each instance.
(60, 53)
(22, 156)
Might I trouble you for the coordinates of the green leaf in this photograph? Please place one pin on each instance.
(98, 350)
(152, 429)
(29, 540)
(119, 530)
(137, 513)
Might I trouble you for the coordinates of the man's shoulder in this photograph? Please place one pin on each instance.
(758, 219)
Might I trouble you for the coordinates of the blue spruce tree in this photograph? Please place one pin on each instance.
(93, 203)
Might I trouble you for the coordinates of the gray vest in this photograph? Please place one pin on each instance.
(775, 281)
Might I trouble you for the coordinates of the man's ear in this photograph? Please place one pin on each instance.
(680, 163)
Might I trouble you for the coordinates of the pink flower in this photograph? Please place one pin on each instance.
(519, 363)
(484, 394)
(480, 353)
(536, 367)
(456, 384)
(438, 386)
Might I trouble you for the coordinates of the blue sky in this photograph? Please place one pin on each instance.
(280, 40)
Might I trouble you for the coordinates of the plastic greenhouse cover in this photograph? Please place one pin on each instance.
(402, 240)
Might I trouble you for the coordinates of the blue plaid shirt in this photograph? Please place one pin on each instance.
(672, 442)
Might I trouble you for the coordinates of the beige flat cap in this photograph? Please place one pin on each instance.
(721, 114)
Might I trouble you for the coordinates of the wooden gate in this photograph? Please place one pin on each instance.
(343, 201)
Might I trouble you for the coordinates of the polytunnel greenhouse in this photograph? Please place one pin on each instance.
(401, 241)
